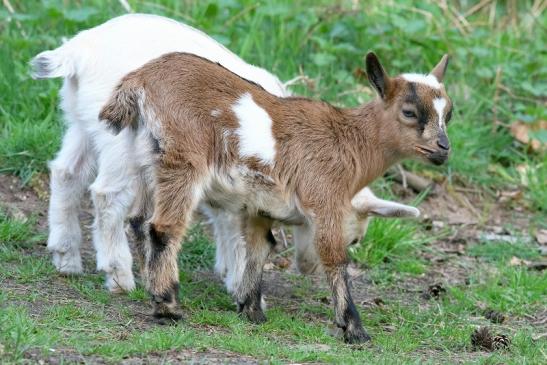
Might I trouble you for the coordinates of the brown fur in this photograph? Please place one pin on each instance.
(324, 154)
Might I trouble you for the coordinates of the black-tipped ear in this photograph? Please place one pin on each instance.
(439, 70)
(376, 74)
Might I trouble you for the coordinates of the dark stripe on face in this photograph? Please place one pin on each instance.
(423, 113)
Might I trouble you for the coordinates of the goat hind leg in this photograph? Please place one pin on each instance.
(113, 192)
(176, 196)
(71, 173)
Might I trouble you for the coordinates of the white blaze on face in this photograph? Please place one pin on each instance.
(439, 104)
(428, 80)
(255, 130)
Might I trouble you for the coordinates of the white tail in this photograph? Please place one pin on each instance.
(51, 64)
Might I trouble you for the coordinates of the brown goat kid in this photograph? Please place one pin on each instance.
(209, 129)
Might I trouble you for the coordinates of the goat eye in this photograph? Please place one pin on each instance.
(448, 117)
(409, 114)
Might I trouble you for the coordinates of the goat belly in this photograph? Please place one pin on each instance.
(253, 192)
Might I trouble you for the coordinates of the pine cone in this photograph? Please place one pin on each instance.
(481, 339)
(500, 342)
(494, 316)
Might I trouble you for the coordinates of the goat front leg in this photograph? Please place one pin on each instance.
(248, 292)
(333, 253)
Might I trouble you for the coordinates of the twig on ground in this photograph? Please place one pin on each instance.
(415, 182)
(402, 174)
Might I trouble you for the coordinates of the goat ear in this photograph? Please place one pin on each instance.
(368, 204)
(389, 209)
(376, 74)
(439, 70)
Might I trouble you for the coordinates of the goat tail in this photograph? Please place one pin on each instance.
(122, 108)
(55, 63)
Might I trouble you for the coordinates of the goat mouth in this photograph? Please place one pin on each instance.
(424, 150)
(436, 157)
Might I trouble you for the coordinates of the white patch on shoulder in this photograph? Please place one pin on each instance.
(439, 104)
(428, 80)
(255, 130)
(216, 113)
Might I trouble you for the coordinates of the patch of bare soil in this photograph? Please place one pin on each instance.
(22, 203)
(180, 356)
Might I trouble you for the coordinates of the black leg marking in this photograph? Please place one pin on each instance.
(346, 315)
(159, 241)
(251, 306)
(136, 224)
(271, 239)
(166, 303)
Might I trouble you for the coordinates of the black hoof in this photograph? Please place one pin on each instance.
(254, 315)
(166, 314)
(356, 337)
(168, 321)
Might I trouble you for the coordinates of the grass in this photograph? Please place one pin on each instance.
(496, 77)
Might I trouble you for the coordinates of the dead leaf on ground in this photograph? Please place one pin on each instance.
(541, 236)
(515, 261)
(507, 196)
(281, 262)
(521, 131)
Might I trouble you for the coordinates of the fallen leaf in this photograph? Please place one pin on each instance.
(281, 262)
(524, 133)
(541, 236)
(515, 261)
(506, 196)
(520, 130)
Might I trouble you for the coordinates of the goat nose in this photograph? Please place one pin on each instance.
(443, 142)
(443, 145)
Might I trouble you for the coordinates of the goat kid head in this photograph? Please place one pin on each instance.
(417, 107)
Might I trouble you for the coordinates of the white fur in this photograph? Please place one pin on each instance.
(255, 130)
(92, 63)
(366, 205)
(366, 202)
(428, 80)
(439, 104)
